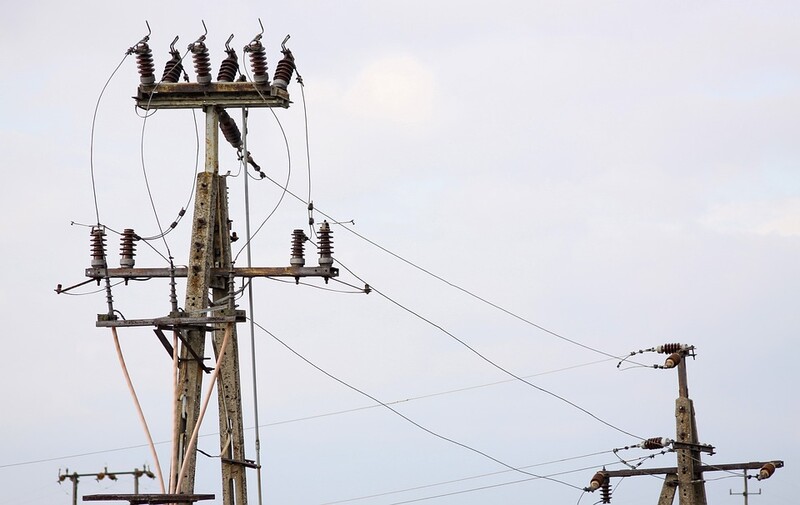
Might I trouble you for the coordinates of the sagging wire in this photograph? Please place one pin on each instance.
(676, 352)
(401, 415)
(451, 284)
(489, 361)
(665, 444)
(357, 290)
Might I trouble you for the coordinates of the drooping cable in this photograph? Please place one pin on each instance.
(487, 360)
(139, 410)
(406, 418)
(91, 137)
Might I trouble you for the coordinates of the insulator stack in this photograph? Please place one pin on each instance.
(258, 60)
(98, 247)
(202, 62)
(229, 67)
(766, 471)
(669, 348)
(284, 70)
(325, 245)
(605, 491)
(298, 257)
(144, 60)
(127, 248)
(229, 129)
(672, 360)
(173, 69)
(655, 443)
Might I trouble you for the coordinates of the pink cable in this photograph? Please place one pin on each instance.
(138, 408)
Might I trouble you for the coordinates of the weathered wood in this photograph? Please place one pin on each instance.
(189, 95)
(149, 498)
(180, 272)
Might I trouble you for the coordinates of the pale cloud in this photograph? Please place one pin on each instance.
(774, 217)
(397, 89)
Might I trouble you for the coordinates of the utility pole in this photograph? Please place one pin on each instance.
(687, 477)
(209, 306)
(75, 478)
(744, 493)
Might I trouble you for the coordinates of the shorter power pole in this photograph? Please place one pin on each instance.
(75, 478)
(685, 479)
(745, 493)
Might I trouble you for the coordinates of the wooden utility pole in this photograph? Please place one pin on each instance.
(685, 479)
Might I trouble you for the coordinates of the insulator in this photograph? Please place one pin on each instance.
(127, 248)
(325, 245)
(655, 443)
(229, 67)
(173, 69)
(766, 471)
(202, 62)
(144, 60)
(284, 70)
(258, 60)
(669, 348)
(672, 360)
(98, 247)
(605, 492)
(229, 129)
(597, 481)
(298, 258)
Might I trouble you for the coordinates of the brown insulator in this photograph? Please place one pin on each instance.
(766, 471)
(229, 129)
(325, 245)
(605, 491)
(654, 443)
(98, 242)
(258, 60)
(173, 69)
(298, 257)
(284, 70)
(127, 248)
(597, 481)
(672, 360)
(202, 62)
(144, 60)
(229, 67)
(669, 348)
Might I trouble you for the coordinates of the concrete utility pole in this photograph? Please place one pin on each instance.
(210, 275)
(687, 477)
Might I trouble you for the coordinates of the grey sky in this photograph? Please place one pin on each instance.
(623, 173)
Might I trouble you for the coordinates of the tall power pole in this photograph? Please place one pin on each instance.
(210, 275)
(685, 479)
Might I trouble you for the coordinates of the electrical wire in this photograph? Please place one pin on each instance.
(453, 481)
(139, 410)
(408, 419)
(453, 285)
(91, 138)
(323, 288)
(489, 361)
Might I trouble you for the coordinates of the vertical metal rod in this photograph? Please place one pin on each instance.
(250, 300)
(74, 489)
(212, 140)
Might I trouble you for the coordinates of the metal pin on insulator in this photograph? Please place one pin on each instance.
(669, 348)
(144, 60)
(258, 60)
(766, 471)
(229, 129)
(325, 245)
(655, 443)
(202, 62)
(174, 68)
(98, 235)
(127, 248)
(298, 257)
(597, 481)
(230, 65)
(672, 360)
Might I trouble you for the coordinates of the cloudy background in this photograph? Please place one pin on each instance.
(624, 174)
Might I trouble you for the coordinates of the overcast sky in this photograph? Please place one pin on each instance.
(624, 174)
